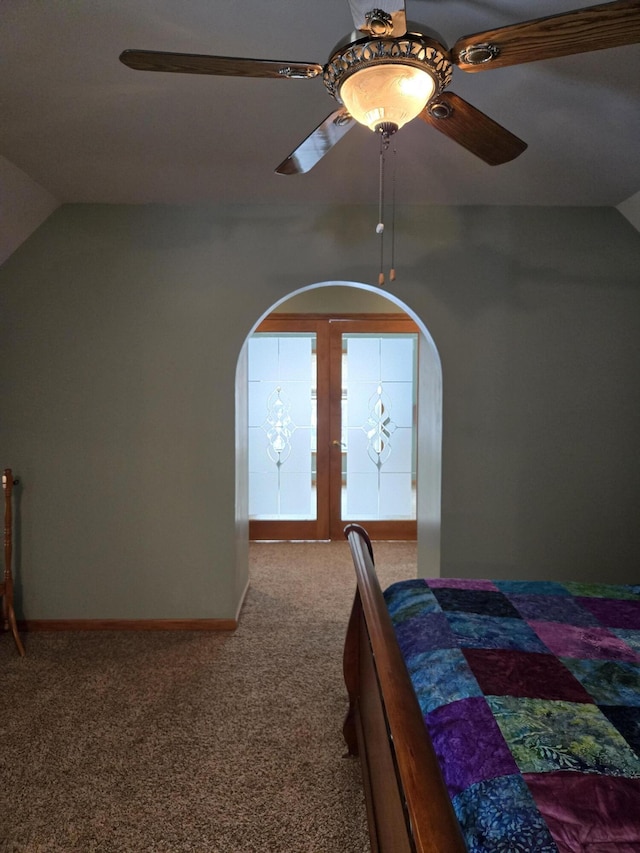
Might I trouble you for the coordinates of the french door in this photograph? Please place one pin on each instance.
(332, 426)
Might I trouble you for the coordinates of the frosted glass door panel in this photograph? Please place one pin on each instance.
(378, 429)
(282, 428)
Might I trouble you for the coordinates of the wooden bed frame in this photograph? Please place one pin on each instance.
(408, 806)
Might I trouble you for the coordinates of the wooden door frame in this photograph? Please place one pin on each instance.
(328, 329)
(369, 323)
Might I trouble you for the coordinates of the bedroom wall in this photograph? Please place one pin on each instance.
(120, 331)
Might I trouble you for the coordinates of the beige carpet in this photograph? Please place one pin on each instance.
(207, 743)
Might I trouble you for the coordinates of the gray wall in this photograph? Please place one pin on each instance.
(120, 333)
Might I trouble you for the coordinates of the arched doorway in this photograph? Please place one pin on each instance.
(359, 298)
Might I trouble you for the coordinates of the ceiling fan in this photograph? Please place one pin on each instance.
(390, 71)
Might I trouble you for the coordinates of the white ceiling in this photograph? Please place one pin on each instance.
(88, 129)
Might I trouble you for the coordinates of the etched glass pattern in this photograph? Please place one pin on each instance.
(281, 416)
(379, 406)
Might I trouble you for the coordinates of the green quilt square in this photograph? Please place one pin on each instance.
(545, 736)
(601, 590)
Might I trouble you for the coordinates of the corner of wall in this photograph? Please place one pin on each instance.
(630, 209)
(24, 206)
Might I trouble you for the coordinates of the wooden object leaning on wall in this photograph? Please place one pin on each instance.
(6, 587)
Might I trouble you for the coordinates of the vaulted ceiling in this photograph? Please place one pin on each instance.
(88, 129)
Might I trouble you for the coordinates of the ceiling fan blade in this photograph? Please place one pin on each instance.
(231, 66)
(318, 143)
(580, 31)
(366, 17)
(472, 129)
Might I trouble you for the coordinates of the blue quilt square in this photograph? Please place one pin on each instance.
(511, 587)
(407, 599)
(471, 630)
(441, 676)
(500, 814)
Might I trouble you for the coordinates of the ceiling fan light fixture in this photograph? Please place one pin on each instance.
(388, 81)
(390, 94)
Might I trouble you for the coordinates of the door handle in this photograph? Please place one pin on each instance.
(337, 443)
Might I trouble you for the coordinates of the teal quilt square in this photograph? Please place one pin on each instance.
(407, 599)
(630, 636)
(608, 682)
(513, 587)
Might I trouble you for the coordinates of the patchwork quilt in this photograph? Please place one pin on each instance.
(531, 695)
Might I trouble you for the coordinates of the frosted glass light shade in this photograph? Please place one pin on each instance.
(390, 92)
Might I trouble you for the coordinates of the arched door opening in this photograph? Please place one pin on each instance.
(355, 302)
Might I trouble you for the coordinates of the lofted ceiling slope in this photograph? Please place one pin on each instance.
(86, 128)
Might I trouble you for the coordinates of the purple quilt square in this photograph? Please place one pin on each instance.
(587, 811)
(552, 608)
(424, 633)
(614, 612)
(469, 744)
(460, 583)
(514, 673)
(582, 642)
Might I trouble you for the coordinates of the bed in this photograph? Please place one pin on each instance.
(494, 716)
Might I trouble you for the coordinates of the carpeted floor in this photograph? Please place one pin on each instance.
(193, 742)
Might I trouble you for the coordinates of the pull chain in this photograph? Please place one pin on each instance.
(385, 136)
(384, 144)
(392, 271)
